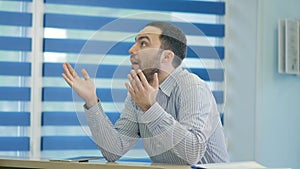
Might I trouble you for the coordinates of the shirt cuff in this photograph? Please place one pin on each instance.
(152, 114)
(95, 110)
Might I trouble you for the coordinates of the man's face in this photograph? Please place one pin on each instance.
(146, 52)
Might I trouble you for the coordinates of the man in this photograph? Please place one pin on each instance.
(172, 110)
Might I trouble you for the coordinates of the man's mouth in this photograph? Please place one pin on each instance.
(135, 66)
(134, 63)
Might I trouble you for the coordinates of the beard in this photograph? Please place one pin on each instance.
(149, 74)
(149, 67)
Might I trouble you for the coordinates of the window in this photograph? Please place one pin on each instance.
(95, 35)
(15, 72)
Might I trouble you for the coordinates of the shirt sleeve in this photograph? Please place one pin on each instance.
(186, 136)
(113, 140)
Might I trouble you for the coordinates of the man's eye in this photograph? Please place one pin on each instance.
(143, 44)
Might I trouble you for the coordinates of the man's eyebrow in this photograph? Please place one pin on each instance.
(138, 38)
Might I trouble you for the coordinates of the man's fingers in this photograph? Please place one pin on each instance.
(71, 70)
(132, 82)
(130, 90)
(136, 80)
(85, 74)
(143, 78)
(67, 72)
(155, 82)
(70, 83)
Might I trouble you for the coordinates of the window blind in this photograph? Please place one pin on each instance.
(96, 35)
(105, 56)
(15, 72)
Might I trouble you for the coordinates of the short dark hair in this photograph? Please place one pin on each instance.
(172, 38)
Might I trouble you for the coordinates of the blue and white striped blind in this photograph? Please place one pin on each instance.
(96, 35)
(15, 72)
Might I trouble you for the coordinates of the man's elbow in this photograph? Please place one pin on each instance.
(192, 160)
(110, 157)
(195, 157)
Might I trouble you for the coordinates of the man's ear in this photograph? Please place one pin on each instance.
(167, 56)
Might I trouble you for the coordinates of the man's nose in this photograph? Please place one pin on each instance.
(133, 49)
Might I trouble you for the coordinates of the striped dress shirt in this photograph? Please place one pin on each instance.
(182, 127)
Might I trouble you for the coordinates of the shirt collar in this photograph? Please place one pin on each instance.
(170, 82)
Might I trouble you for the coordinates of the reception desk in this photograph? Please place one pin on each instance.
(47, 164)
(9, 163)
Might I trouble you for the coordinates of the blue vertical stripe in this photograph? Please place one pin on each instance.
(15, 94)
(14, 118)
(15, 18)
(14, 143)
(217, 8)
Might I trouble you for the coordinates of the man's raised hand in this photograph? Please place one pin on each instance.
(85, 87)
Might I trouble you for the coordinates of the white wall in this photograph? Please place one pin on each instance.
(278, 96)
(262, 107)
(240, 66)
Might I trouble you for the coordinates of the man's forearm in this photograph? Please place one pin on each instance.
(111, 143)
